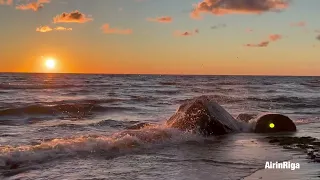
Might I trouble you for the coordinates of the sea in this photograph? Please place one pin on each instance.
(77, 127)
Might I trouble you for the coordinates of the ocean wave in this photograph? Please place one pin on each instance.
(40, 84)
(108, 122)
(168, 83)
(218, 98)
(306, 121)
(9, 135)
(136, 98)
(202, 90)
(15, 157)
(167, 92)
(279, 99)
(103, 123)
(76, 109)
(223, 83)
(9, 86)
(303, 105)
(291, 102)
(114, 123)
(311, 84)
(51, 110)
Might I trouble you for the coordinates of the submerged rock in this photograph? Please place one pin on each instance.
(308, 144)
(287, 140)
(272, 123)
(203, 115)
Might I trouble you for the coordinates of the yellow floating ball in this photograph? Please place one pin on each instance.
(271, 125)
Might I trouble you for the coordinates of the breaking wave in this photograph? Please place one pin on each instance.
(123, 142)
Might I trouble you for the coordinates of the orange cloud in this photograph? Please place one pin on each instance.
(299, 24)
(222, 7)
(44, 29)
(262, 44)
(6, 2)
(72, 17)
(186, 33)
(108, 30)
(272, 37)
(275, 37)
(35, 6)
(60, 28)
(164, 19)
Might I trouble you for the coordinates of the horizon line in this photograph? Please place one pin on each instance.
(158, 74)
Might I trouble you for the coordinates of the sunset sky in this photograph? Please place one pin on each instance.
(263, 37)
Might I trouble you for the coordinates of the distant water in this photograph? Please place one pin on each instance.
(69, 126)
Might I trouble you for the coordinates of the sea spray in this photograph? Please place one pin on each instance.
(116, 144)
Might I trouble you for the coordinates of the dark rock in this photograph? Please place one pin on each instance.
(203, 115)
(281, 124)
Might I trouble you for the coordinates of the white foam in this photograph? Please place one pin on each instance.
(121, 142)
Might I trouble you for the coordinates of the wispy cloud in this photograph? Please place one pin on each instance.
(222, 7)
(318, 37)
(45, 29)
(6, 2)
(35, 6)
(163, 19)
(108, 30)
(249, 30)
(218, 26)
(272, 37)
(72, 17)
(299, 24)
(275, 37)
(60, 28)
(262, 44)
(186, 33)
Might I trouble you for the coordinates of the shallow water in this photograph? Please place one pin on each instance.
(59, 126)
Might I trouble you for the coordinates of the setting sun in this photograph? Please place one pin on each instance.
(50, 63)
